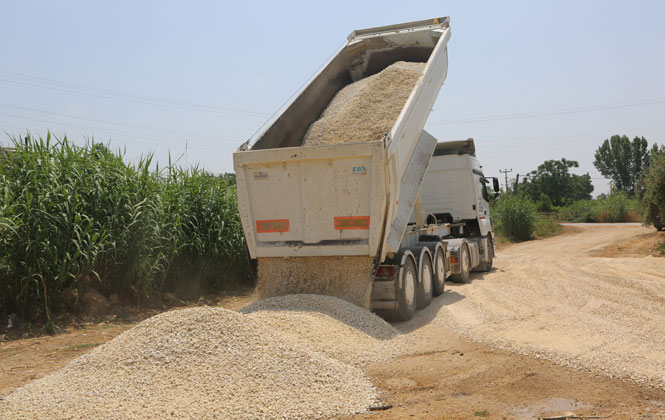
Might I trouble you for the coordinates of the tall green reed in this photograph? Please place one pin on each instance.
(73, 217)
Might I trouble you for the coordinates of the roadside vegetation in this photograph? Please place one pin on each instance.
(74, 218)
(551, 193)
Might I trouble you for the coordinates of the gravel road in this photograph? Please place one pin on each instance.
(552, 299)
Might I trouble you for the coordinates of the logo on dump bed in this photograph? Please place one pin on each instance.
(359, 170)
(269, 226)
(351, 222)
(260, 175)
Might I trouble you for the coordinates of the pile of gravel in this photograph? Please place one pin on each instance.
(367, 109)
(348, 278)
(203, 363)
(323, 324)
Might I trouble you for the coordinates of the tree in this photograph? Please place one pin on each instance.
(622, 161)
(554, 180)
(653, 194)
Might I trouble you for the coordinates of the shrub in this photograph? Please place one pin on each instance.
(582, 211)
(617, 207)
(544, 204)
(515, 217)
(653, 197)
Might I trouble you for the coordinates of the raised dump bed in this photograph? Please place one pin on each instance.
(344, 198)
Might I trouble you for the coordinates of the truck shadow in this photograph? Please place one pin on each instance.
(449, 297)
(427, 315)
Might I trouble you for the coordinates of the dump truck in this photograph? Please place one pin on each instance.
(381, 223)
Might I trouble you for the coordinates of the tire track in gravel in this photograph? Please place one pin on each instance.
(551, 299)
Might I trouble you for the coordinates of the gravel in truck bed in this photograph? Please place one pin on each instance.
(212, 363)
(367, 109)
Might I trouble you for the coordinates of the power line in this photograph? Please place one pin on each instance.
(643, 102)
(24, 79)
(156, 139)
(122, 125)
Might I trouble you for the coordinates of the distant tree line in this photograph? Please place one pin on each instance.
(636, 173)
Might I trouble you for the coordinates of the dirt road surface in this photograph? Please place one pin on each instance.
(553, 329)
(561, 325)
(556, 299)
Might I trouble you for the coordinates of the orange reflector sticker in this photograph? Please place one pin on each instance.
(268, 226)
(351, 222)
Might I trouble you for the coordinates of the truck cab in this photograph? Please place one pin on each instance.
(454, 188)
(454, 191)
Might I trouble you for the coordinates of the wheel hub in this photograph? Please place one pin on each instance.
(409, 287)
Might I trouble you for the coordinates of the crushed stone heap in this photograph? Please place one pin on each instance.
(367, 109)
(292, 357)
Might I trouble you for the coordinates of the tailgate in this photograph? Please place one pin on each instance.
(312, 201)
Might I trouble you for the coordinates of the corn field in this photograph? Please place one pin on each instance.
(73, 217)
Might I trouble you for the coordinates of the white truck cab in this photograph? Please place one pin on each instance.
(454, 188)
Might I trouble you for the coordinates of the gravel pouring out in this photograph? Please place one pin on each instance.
(348, 278)
(214, 363)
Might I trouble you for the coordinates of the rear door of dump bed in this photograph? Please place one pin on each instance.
(312, 201)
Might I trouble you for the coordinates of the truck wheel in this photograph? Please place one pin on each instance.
(406, 292)
(465, 263)
(425, 283)
(487, 265)
(439, 280)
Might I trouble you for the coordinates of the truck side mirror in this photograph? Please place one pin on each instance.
(495, 184)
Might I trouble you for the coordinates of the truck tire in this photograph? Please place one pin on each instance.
(425, 284)
(406, 292)
(439, 270)
(465, 262)
(487, 265)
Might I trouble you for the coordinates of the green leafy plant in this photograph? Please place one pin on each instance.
(515, 217)
(653, 195)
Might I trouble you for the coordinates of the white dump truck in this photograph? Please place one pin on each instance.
(417, 210)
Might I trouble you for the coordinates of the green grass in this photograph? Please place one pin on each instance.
(616, 207)
(73, 217)
(546, 228)
(483, 413)
(661, 249)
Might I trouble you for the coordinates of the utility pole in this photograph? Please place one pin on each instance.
(505, 172)
(517, 182)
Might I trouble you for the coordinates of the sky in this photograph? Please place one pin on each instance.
(529, 81)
